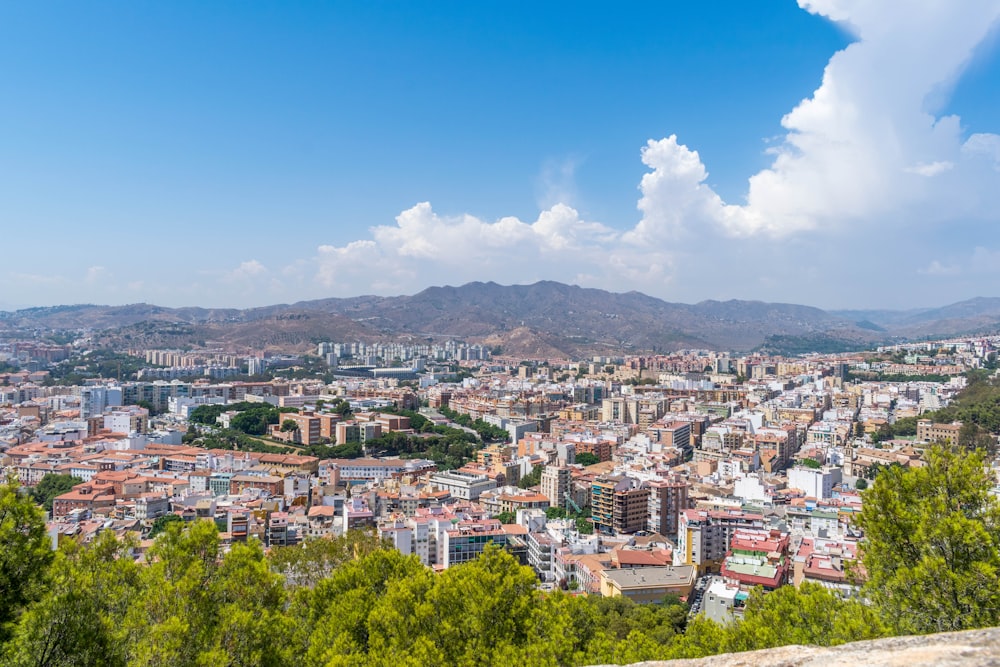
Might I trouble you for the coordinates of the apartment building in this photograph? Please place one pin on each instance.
(556, 484)
(618, 504)
(703, 536)
(667, 499)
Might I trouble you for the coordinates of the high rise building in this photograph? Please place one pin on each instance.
(667, 498)
(618, 504)
(556, 484)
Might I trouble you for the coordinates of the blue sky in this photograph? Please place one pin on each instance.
(237, 154)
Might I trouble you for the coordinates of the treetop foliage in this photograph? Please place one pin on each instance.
(932, 543)
(51, 486)
(931, 559)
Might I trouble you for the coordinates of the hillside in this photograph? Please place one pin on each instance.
(543, 319)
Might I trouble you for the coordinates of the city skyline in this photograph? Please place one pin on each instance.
(838, 154)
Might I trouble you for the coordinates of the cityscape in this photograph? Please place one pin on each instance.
(694, 475)
(550, 334)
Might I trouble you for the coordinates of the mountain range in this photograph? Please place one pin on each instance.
(546, 319)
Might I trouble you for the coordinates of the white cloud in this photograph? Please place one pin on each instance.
(251, 279)
(425, 248)
(96, 274)
(983, 145)
(982, 261)
(853, 148)
(932, 169)
(246, 271)
(863, 158)
(939, 268)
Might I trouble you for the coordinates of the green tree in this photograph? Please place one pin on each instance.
(79, 620)
(25, 554)
(333, 617)
(932, 543)
(305, 565)
(506, 517)
(587, 459)
(809, 615)
(533, 478)
(289, 425)
(250, 625)
(973, 436)
(160, 523)
(482, 607)
(51, 486)
(170, 621)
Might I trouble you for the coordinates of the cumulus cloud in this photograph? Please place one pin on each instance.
(864, 146)
(866, 157)
(425, 247)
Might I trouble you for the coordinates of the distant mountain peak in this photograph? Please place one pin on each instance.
(530, 318)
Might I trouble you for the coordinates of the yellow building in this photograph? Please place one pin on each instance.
(648, 584)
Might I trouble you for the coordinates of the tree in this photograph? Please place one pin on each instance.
(506, 517)
(160, 523)
(973, 436)
(289, 425)
(587, 459)
(191, 435)
(309, 563)
(79, 620)
(861, 484)
(25, 554)
(533, 478)
(250, 625)
(52, 485)
(807, 615)
(932, 543)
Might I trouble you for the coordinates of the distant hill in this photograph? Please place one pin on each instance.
(543, 319)
(972, 316)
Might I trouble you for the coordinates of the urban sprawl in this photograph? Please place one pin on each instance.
(696, 473)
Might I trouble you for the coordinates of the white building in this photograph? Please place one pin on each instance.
(814, 482)
(467, 486)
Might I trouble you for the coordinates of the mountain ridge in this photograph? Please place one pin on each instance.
(555, 317)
